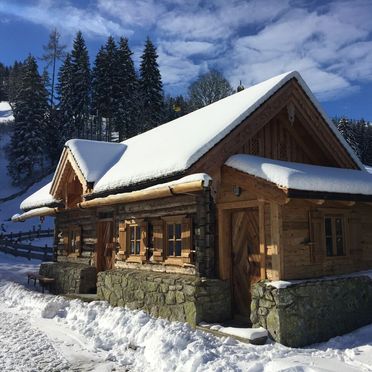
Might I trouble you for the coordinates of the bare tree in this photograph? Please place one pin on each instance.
(209, 88)
(53, 52)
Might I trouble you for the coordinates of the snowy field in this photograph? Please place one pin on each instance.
(41, 332)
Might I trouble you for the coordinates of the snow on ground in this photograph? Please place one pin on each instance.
(6, 113)
(41, 332)
(11, 207)
(6, 187)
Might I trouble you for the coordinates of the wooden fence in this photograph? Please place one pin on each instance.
(26, 235)
(27, 250)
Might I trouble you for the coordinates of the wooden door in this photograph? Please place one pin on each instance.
(245, 258)
(105, 252)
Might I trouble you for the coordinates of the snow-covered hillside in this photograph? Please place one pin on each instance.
(11, 207)
(41, 332)
(6, 113)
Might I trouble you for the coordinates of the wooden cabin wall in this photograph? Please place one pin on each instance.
(86, 221)
(199, 207)
(299, 259)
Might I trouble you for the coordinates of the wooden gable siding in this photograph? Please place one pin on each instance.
(308, 140)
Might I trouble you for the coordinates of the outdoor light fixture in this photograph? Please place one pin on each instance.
(237, 190)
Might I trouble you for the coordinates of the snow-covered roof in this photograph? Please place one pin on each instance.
(6, 113)
(173, 147)
(94, 158)
(298, 176)
(40, 198)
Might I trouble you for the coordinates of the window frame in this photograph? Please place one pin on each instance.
(125, 240)
(186, 240)
(73, 250)
(334, 235)
(346, 216)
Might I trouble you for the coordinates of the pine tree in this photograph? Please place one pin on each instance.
(4, 78)
(151, 88)
(345, 127)
(66, 105)
(14, 83)
(127, 109)
(105, 85)
(27, 143)
(80, 85)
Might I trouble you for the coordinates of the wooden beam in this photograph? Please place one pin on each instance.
(224, 244)
(316, 201)
(146, 194)
(276, 241)
(346, 203)
(260, 188)
(238, 204)
(261, 225)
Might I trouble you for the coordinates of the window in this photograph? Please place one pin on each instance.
(160, 240)
(133, 236)
(174, 240)
(177, 243)
(72, 240)
(334, 236)
(135, 239)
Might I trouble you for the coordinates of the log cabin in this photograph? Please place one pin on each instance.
(205, 217)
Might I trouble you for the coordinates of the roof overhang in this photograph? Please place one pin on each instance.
(37, 212)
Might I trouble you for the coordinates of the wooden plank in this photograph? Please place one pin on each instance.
(261, 217)
(238, 204)
(224, 243)
(258, 187)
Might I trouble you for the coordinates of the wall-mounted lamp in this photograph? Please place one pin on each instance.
(236, 190)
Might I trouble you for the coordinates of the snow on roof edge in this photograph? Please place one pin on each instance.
(306, 177)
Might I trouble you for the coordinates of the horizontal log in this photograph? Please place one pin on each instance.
(147, 194)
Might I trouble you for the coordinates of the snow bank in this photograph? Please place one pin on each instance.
(8, 209)
(6, 113)
(40, 198)
(287, 283)
(304, 176)
(95, 157)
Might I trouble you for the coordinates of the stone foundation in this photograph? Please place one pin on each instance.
(70, 277)
(175, 297)
(312, 311)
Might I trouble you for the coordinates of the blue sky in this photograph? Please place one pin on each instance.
(328, 42)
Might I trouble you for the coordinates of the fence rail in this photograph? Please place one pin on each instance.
(32, 234)
(26, 250)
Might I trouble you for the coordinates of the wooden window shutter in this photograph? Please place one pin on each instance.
(122, 239)
(317, 247)
(65, 242)
(354, 246)
(158, 240)
(79, 240)
(144, 240)
(186, 240)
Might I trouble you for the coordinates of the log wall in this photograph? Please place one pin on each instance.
(304, 252)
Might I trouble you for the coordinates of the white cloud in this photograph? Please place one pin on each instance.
(329, 42)
(65, 17)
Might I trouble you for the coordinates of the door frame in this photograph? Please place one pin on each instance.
(224, 211)
(100, 265)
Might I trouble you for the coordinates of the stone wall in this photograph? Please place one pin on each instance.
(312, 311)
(70, 277)
(172, 296)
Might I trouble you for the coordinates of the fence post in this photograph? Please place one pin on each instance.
(45, 252)
(11, 236)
